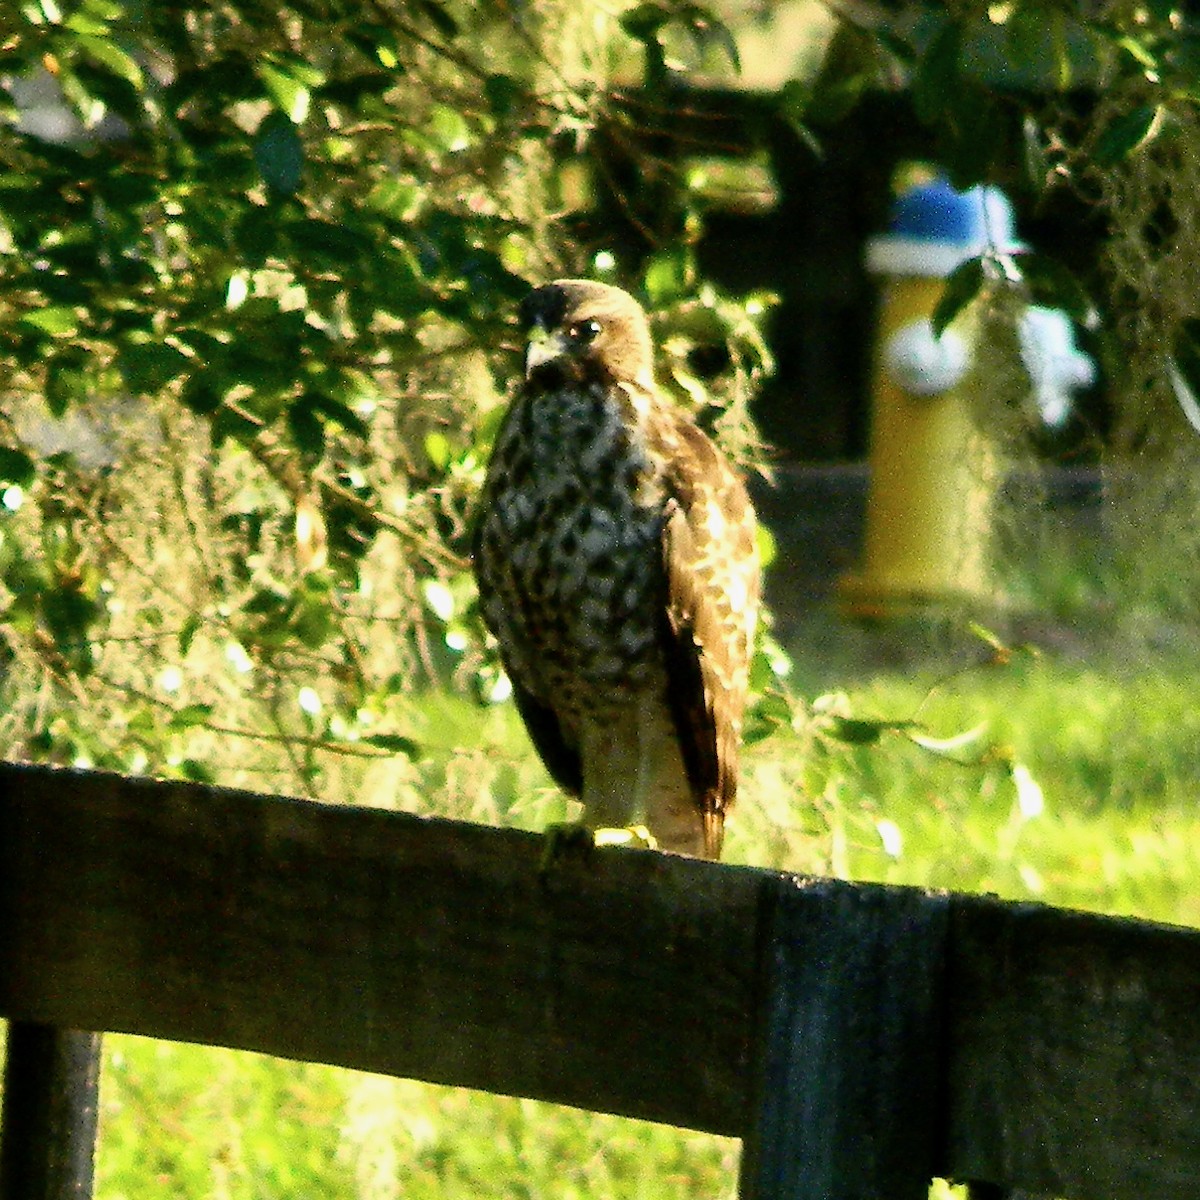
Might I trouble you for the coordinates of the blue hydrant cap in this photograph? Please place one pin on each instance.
(933, 228)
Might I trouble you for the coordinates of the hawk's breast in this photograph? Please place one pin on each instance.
(570, 561)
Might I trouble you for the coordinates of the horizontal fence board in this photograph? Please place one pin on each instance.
(616, 981)
(1074, 1052)
(377, 940)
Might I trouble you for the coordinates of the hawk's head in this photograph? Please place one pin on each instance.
(585, 332)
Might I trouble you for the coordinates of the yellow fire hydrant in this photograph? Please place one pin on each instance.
(931, 474)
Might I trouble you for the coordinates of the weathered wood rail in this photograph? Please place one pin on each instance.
(860, 1039)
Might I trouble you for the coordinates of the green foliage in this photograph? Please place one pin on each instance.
(256, 325)
(255, 335)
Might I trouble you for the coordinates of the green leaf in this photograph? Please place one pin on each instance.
(69, 614)
(16, 467)
(227, 423)
(202, 393)
(1124, 134)
(437, 449)
(1139, 52)
(307, 428)
(196, 771)
(56, 320)
(339, 413)
(106, 52)
(1033, 154)
(395, 742)
(279, 154)
(963, 284)
(396, 198)
(707, 30)
(190, 716)
(445, 24)
(502, 92)
(1053, 285)
(667, 276)
(187, 634)
(448, 130)
(68, 382)
(267, 601)
(355, 90)
(937, 85)
(148, 366)
(288, 92)
(857, 732)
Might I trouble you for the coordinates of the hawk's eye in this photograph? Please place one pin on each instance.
(584, 332)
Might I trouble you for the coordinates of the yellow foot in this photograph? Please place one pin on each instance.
(636, 837)
(573, 837)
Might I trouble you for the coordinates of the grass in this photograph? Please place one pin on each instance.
(1111, 747)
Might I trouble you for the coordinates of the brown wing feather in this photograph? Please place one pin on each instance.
(712, 592)
(561, 759)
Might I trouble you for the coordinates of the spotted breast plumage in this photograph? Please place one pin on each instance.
(617, 566)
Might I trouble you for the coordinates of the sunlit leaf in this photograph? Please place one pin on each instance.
(947, 745)
(396, 198)
(56, 320)
(1125, 134)
(106, 52)
(1183, 371)
(1031, 801)
(667, 276)
(437, 449)
(191, 715)
(289, 93)
(439, 598)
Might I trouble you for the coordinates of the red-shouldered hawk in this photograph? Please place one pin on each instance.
(617, 567)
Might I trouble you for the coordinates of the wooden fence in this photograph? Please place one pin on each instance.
(859, 1039)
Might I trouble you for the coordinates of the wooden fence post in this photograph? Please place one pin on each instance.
(847, 1094)
(48, 1127)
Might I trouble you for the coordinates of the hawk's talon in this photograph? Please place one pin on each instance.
(573, 836)
(633, 837)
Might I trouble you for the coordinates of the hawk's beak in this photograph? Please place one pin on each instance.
(544, 346)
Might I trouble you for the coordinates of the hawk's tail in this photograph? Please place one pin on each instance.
(714, 833)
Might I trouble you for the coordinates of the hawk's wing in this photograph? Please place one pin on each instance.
(712, 571)
(561, 759)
